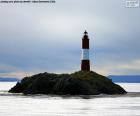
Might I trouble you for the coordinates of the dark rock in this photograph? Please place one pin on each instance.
(78, 83)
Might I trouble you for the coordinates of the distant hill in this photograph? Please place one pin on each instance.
(125, 78)
(8, 79)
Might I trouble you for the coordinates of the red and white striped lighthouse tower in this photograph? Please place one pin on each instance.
(85, 62)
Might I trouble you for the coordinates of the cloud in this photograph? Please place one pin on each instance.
(36, 38)
(15, 74)
(130, 68)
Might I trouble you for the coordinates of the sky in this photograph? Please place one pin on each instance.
(47, 37)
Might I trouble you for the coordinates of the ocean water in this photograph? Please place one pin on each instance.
(44, 105)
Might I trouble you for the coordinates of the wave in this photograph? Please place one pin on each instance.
(129, 94)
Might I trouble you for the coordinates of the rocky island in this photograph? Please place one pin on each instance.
(77, 83)
(84, 82)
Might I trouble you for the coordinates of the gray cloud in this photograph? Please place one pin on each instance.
(47, 37)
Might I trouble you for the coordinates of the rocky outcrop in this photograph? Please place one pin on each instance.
(78, 83)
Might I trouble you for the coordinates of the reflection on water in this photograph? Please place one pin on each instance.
(44, 105)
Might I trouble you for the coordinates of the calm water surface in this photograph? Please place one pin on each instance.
(43, 105)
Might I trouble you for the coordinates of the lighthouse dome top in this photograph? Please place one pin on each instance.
(85, 35)
(85, 32)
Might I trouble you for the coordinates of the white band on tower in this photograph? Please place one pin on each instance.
(85, 54)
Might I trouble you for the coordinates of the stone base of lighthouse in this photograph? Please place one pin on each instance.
(85, 65)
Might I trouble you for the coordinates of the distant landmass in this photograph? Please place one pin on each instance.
(8, 79)
(125, 78)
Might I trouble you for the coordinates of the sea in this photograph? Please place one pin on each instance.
(51, 105)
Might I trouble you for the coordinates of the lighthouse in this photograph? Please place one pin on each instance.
(85, 62)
